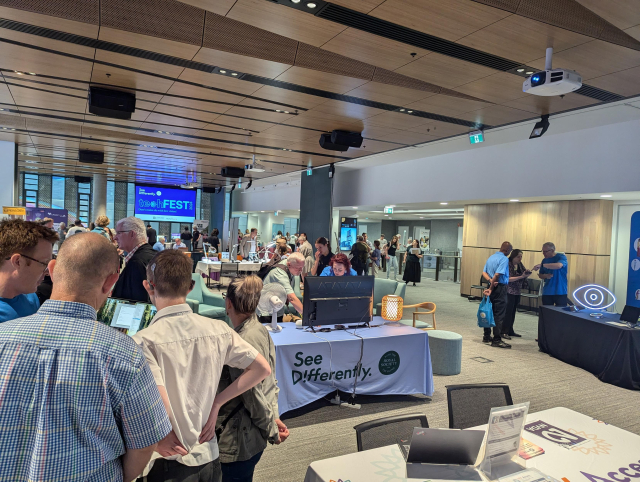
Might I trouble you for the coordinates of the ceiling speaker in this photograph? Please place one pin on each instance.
(232, 172)
(91, 157)
(82, 179)
(209, 190)
(325, 143)
(345, 138)
(111, 103)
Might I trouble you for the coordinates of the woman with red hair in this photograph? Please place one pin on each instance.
(339, 266)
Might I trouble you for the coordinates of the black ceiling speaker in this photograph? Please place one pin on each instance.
(82, 179)
(91, 157)
(325, 143)
(209, 190)
(111, 103)
(232, 172)
(345, 138)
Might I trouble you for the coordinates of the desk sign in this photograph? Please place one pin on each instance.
(476, 137)
(14, 210)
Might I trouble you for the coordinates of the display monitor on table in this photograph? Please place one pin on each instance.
(337, 300)
(128, 316)
(158, 203)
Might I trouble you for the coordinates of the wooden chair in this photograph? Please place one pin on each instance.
(431, 307)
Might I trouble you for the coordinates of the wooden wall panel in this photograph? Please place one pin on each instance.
(580, 229)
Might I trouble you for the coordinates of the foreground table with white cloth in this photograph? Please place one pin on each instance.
(395, 361)
(206, 266)
(609, 455)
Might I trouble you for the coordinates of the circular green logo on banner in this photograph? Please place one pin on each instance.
(389, 363)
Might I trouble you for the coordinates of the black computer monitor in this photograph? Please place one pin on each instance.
(337, 300)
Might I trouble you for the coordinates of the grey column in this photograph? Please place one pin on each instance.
(99, 201)
(315, 204)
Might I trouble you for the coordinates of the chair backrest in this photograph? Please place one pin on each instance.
(387, 431)
(196, 292)
(470, 405)
(229, 270)
(383, 287)
(483, 281)
(534, 285)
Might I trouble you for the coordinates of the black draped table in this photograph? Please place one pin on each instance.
(610, 351)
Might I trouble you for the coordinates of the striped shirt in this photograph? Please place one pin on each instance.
(74, 396)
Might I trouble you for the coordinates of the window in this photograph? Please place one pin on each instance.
(242, 222)
(30, 190)
(57, 192)
(111, 189)
(131, 198)
(84, 201)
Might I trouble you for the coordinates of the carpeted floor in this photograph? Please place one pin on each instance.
(322, 430)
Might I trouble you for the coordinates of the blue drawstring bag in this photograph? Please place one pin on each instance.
(485, 314)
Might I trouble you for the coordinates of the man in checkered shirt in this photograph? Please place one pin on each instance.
(77, 398)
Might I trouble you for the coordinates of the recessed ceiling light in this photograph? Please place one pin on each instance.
(421, 217)
(605, 195)
(410, 111)
(286, 111)
(19, 73)
(354, 207)
(295, 1)
(514, 200)
(311, 5)
(401, 110)
(223, 71)
(261, 211)
(277, 110)
(444, 204)
(529, 73)
(31, 73)
(520, 70)
(234, 73)
(386, 215)
(244, 212)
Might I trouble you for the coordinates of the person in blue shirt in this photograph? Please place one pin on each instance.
(553, 272)
(339, 266)
(26, 248)
(159, 245)
(496, 272)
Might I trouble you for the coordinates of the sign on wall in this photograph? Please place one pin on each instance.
(633, 279)
(58, 215)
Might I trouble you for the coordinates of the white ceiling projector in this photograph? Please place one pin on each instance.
(551, 81)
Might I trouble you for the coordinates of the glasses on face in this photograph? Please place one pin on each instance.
(120, 232)
(45, 264)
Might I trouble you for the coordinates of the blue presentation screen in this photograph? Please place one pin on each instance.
(155, 203)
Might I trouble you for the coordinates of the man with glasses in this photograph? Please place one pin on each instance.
(79, 401)
(553, 272)
(25, 249)
(131, 236)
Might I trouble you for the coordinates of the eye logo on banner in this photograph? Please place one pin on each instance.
(594, 296)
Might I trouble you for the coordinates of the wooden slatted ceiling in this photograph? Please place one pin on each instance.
(351, 56)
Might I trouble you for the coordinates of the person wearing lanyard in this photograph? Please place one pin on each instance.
(496, 272)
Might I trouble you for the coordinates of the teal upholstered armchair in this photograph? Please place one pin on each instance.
(384, 287)
(205, 302)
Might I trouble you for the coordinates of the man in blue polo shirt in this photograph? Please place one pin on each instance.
(496, 272)
(553, 272)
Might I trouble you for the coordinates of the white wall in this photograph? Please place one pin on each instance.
(621, 227)
(599, 159)
(268, 199)
(372, 229)
(7, 168)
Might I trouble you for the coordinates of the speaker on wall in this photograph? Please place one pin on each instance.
(91, 157)
(111, 103)
(82, 179)
(325, 143)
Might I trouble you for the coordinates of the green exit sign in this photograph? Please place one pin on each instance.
(309, 171)
(476, 137)
(388, 210)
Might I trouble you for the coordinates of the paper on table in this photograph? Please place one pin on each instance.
(503, 436)
(529, 475)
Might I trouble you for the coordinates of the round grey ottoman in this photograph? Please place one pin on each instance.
(446, 352)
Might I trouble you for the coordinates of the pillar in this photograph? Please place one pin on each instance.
(9, 178)
(315, 204)
(99, 200)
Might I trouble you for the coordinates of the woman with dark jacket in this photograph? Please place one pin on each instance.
(251, 420)
(412, 269)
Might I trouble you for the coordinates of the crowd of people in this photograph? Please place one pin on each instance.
(507, 276)
(187, 398)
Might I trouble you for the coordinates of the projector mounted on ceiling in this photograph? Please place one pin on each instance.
(189, 185)
(255, 166)
(551, 81)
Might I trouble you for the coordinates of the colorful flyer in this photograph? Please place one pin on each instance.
(529, 450)
(554, 434)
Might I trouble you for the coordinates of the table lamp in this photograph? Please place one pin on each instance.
(392, 308)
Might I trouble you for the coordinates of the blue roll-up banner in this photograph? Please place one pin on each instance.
(633, 280)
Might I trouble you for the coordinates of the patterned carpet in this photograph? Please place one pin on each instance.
(322, 430)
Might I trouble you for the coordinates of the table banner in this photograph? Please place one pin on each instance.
(395, 360)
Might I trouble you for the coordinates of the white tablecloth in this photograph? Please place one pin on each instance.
(611, 454)
(396, 360)
(206, 267)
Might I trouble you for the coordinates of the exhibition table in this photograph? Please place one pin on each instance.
(608, 453)
(212, 268)
(605, 347)
(395, 360)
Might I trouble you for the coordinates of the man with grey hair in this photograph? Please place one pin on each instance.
(553, 272)
(79, 400)
(282, 274)
(131, 236)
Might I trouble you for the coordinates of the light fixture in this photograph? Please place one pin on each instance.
(286, 111)
(332, 171)
(19, 73)
(444, 204)
(31, 73)
(245, 212)
(605, 195)
(277, 110)
(529, 73)
(295, 1)
(540, 128)
(392, 308)
(234, 73)
(520, 70)
(401, 110)
(514, 200)
(311, 5)
(261, 211)
(354, 207)
(223, 71)
(386, 215)
(409, 112)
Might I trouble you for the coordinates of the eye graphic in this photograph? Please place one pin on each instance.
(594, 296)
